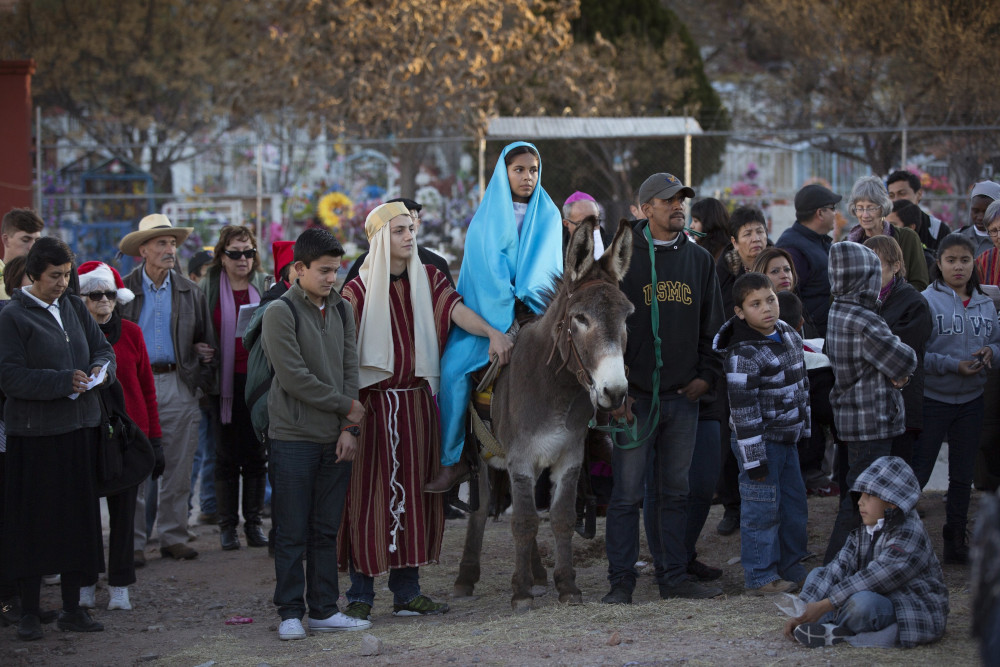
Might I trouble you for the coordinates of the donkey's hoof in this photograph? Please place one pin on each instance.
(463, 591)
(539, 590)
(521, 605)
(571, 598)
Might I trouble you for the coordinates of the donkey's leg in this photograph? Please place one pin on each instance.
(469, 569)
(524, 527)
(539, 575)
(562, 515)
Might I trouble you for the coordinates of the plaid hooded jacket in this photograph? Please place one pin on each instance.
(897, 561)
(865, 354)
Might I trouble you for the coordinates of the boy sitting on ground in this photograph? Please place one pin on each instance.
(769, 413)
(886, 573)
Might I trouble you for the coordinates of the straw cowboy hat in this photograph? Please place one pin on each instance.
(149, 228)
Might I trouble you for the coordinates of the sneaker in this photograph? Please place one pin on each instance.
(139, 558)
(359, 610)
(291, 628)
(689, 590)
(618, 594)
(119, 599)
(828, 491)
(728, 525)
(419, 606)
(774, 587)
(29, 628)
(178, 552)
(87, 596)
(78, 620)
(815, 635)
(338, 622)
(702, 572)
(51, 579)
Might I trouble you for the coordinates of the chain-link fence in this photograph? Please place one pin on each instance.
(92, 196)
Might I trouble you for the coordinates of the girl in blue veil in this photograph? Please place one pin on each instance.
(513, 250)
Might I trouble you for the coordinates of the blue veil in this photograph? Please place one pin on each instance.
(499, 265)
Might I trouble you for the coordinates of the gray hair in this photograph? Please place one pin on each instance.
(568, 208)
(870, 188)
(992, 213)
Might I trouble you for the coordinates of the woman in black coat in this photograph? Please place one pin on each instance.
(50, 349)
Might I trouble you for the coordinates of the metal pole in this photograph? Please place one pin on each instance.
(687, 151)
(482, 166)
(38, 160)
(902, 114)
(260, 188)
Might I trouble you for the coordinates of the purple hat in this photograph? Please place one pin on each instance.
(579, 196)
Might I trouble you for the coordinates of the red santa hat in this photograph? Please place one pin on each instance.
(283, 253)
(98, 275)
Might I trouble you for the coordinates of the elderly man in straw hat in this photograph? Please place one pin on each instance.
(177, 328)
(403, 310)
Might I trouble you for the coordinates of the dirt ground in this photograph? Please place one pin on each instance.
(181, 609)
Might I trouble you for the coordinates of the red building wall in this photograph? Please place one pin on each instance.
(15, 134)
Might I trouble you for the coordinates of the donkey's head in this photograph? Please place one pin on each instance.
(590, 334)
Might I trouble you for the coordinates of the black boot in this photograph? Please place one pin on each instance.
(956, 550)
(253, 504)
(227, 496)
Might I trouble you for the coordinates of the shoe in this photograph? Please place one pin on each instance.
(291, 628)
(338, 623)
(49, 616)
(359, 610)
(728, 525)
(78, 621)
(139, 558)
(51, 579)
(815, 635)
(208, 518)
(956, 549)
(229, 538)
(178, 552)
(255, 535)
(10, 611)
(420, 606)
(29, 628)
(774, 587)
(451, 512)
(119, 599)
(689, 590)
(448, 477)
(827, 491)
(702, 572)
(618, 594)
(87, 596)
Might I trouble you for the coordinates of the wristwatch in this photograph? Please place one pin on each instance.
(353, 429)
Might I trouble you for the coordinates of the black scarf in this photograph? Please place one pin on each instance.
(113, 327)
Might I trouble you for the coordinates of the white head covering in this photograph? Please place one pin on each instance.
(375, 345)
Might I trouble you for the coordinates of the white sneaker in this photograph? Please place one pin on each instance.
(338, 622)
(119, 599)
(87, 596)
(291, 628)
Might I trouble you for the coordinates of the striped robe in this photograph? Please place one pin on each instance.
(382, 483)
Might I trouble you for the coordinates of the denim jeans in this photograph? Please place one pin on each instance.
(667, 451)
(773, 535)
(963, 424)
(860, 455)
(864, 611)
(204, 465)
(311, 489)
(404, 582)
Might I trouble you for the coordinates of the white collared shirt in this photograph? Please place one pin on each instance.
(53, 307)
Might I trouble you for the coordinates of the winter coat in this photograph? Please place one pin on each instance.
(897, 561)
(865, 354)
(810, 253)
(908, 316)
(957, 332)
(767, 386)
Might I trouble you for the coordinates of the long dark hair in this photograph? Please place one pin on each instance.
(965, 242)
(520, 150)
(714, 224)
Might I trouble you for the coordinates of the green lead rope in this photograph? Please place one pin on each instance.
(632, 431)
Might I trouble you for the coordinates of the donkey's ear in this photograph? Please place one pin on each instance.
(579, 252)
(618, 256)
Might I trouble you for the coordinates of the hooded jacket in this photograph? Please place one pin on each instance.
(690, 308)
(957, 332)
(768, 388)
(896, 561)
(865, 354)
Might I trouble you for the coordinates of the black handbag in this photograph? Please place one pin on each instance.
(125, 456)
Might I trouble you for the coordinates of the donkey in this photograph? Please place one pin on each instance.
(565, 364)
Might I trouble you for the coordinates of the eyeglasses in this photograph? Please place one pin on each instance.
(236, 254)
(993, 232)
(867, 210)
(591, 218)
(97, 296)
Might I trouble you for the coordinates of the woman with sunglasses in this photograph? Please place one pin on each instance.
(101, 288)
(235, 279)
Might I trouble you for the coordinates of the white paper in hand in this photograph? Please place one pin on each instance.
(95, 380)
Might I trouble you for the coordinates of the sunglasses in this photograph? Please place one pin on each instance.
(97, 296)
(236, 254)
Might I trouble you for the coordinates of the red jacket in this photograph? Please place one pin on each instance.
(136, 378)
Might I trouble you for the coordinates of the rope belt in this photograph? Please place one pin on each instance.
(397, 498)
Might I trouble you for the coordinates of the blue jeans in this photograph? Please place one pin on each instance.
(773, 535)
(310, 488)
(864, 611)
(667, 451)
(204, 465)
(706, 463)
(404, 582)
(860, 455)
(963, 424)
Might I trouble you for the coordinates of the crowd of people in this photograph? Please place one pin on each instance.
(760, 373)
